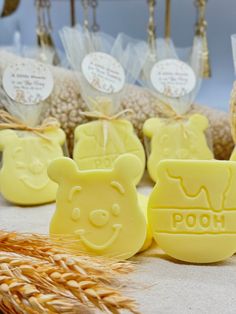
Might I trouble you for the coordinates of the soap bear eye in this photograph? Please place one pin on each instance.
(75, 214)
(115, 209)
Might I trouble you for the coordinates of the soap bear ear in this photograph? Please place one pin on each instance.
(151, 126)
(199, 121)
(5, 137)
(57, 135)
(62, 168)
(128, 165)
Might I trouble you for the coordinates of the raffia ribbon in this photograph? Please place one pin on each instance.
(7, 121)
(106, 118)
(101, 116)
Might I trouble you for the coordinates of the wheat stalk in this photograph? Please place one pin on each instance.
(55, 251)
(54, 278)
(20, 294)
(36, 260)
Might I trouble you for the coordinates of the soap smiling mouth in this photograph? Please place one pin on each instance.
(97, 247)
(33, 186)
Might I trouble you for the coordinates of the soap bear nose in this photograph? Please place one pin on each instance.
(99, 217)
(36, 166)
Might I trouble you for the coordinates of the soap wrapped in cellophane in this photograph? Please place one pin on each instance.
(175, 83)
(103, 66)
(28, 145)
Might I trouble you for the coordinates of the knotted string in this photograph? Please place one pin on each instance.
(7, 121)
(170, 115)
(101, 116)
(106, 118)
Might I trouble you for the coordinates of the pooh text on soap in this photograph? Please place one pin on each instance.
(204, 221)
(104, 162)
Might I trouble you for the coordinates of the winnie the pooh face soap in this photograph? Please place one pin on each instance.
(176, 140)
(23, 176)
(192, 210)
(99, 208)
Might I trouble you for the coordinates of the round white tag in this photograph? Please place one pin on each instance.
(28, 82)
(103, 72)
(173, 78)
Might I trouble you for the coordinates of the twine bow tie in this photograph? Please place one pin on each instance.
(106, 118)
(99, 115)
(7, 121)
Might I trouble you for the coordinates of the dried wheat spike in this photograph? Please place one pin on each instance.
(41, 276)
(20, 294)
(54, 251)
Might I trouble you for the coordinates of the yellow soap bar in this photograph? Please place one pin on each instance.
(192, 210)
(99, 143)
(176, 140)
(99, 208)
(25, 158)
(143, 202)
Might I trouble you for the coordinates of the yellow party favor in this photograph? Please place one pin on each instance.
(176, 140)
(99, 143)
(25, 158)
(99, 208)
(143, 202)
(192, 210)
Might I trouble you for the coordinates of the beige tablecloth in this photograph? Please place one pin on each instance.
(161, 285)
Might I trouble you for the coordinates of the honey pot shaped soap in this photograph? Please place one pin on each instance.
(99, 208)
(176, 140)
(99, 143)
(192, 210)
(25, 158)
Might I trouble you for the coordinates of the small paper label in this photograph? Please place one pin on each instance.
(28, 82)
(103, 72)
(173, 78)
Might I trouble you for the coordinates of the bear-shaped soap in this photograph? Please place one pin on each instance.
(192, 210)
(184, 139)
(25, 158)
(99, 143)
(99, 208)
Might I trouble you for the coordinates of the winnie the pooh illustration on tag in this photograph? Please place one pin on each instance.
(183, 139)
(192, 210)
(99, 208)
(99, 143)
(25, 158)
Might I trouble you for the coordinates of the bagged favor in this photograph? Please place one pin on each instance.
(28, 144)
(65, 102)
(103, 66)
(178, 134)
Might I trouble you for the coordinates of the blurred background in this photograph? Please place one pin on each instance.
(131, 17)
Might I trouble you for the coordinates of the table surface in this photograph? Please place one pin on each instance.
(160, 284)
